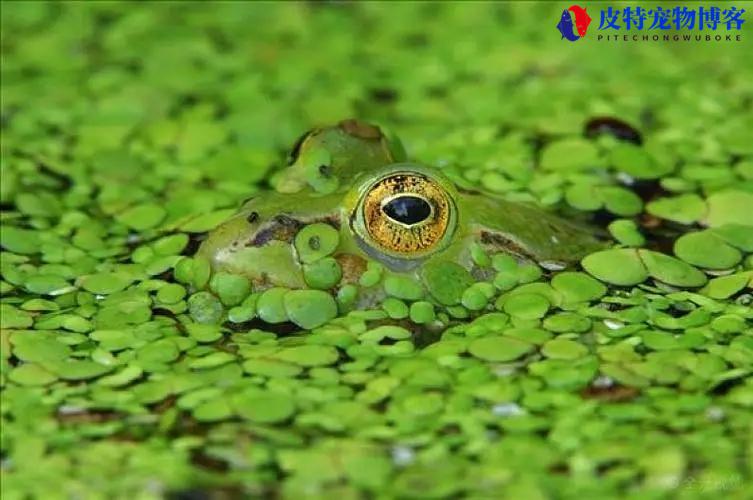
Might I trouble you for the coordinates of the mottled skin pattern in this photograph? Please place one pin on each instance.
(257, 241)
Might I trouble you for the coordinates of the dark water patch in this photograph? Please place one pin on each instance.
(194, 242)
(282, 329)
(201, 459)
(607, 125)
(611, 393)
(383, 95)
(602, 218)
(215, 493)
(416, 39)
(647, 190)
(63, 181)
(725, 386)
(648, 119)
(537, 143)
(86, 416)
(661, 234)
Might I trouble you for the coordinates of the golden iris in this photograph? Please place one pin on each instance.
(406, 213)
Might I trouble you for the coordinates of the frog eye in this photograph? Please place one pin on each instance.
(405, 214)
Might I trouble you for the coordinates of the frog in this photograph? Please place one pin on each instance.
(351, 196)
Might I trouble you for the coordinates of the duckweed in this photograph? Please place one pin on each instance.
(322, 274)
(263, 407)
(526, 306)
(670, 270)
(403, 287)
(563, 349)
(617, 266)
(231, 289)
(315, 241)
(105, 283)
(705, 249)
(270, 305)
(422, 312)
(578, 287)
(499, 348)
(129, 369)
(205, 307)
(309, 308)
(447, 281)
(626, 232)
(395, 308)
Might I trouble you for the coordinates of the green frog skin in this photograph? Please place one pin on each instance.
(401, 214)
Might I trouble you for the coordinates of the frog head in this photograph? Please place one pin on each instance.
(402, 216)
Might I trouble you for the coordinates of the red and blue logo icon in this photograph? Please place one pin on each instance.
(574, 23)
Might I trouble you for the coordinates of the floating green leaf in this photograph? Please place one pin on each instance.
(617, 266)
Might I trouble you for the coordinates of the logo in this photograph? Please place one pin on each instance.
(639, 23)
(580, 24)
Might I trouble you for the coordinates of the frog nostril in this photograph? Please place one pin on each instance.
(407, 209)
(315, 243)
(252, 217)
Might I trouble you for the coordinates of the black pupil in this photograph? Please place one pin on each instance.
(407, 209)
